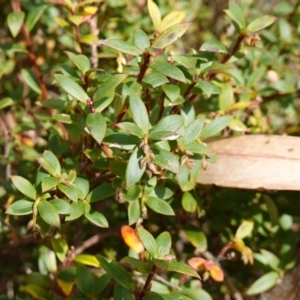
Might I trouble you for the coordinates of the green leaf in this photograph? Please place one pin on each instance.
(61, 206)
(122, 141)
(30, 80)
(101, 192)
(260, 23)
(118, 273)
(171, 19)
(196, 238)
(81, 61)
(139, 113)
(141, 40)
(226, 97)
(20, 208)
(216, 126)
(193, 131)
(83, 187)
(153, 296)
(237, 125)
(24, 186)
(177, 296)
(263, 284)
(172, 91)
(244, 230)
(121, 292)
(164, 243)
(160, 206)
(182, 268)
(50, 163)
(154, 13)
(60, 247)
(133, 171)
(72, 88)
(15, 21)
(168, 70)
(49, 183)
(108, 87)
(135, 264)
(36, 291)
(155, 80)
(236, 14)
(170, 35)
(84, 280)
(96, 125)
(122, 46)
(166, 160)
(166, 126)
(76, 212)
(100, 284)
(34, 15)
(189, 203)
(88, 260)
(48, 213)
(134, 212)
(214, 46)
(6, 102)
(96, 218)
(148, 241)
(131, 128)
(69, 191)
(160, 192)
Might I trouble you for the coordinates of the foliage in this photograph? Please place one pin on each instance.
(106, 110)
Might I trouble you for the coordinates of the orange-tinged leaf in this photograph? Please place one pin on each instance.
(197, 263)
(131, 239)
(217, 274)
(65, 286)
(238, 245)
(209, 265)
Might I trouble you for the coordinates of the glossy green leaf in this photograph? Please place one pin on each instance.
(135, 264)
(141, 40)
(263, 283)
(133, 170)
(63, 207)
(20, 208)
(72, 88)
(122, 141)
(170, 35)
(5, 102)
(34, 15)
(237, 125)
(118, 273)
(88, 260)
(31, 81)
(24, 186)
(100, 284)
(164, 243)
(193, 131)
(15, 21)
(172, 91)
(180, 296)
(77, 210)
(60, 247)
(134, 212)
(131, 128)
(182, 268)
(160, 192)
(166, 126)
(139, 113)
(168, 70)
(215, 127)
(101, 192)
(196, 238)
(154, 13)
(155, 79)
(84, 280)
(226, 97)
(49, 183)
(48, 213)
(83, 187)
(69, 191)
(244, 230)
(96, 125)
(166, 160)
(160, 206)
(97, 218)
(152, 296)
(260, 23)
(148, 241)
(214, 46)
(81, 61)
(50, 163)
(36, 291)
(236, 14)
(108, 86)
(189, 203)
(122, 46)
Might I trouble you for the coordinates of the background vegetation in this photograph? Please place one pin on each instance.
(66, 82)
